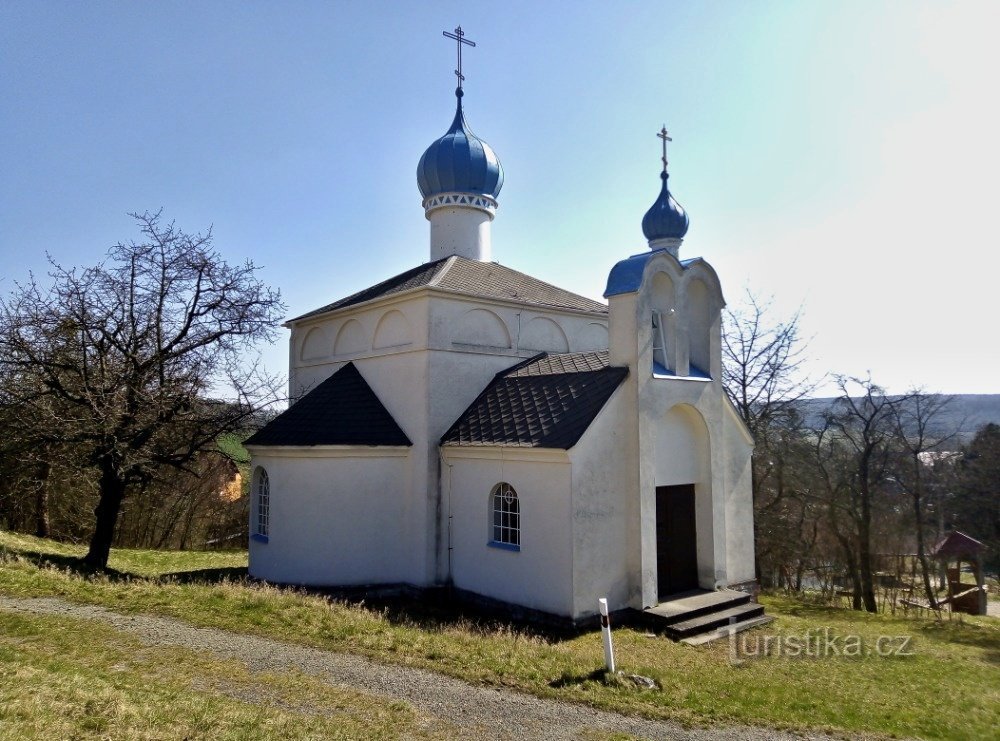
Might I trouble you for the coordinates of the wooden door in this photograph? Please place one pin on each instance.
(676, 540)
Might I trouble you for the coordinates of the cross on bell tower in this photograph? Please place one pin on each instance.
(460, 39)
(666, 138)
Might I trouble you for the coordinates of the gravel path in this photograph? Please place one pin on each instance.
(477, 712)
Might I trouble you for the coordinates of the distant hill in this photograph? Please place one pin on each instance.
(967, 412)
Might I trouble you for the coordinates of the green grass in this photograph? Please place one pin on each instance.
(67, 678)
(949, 688)
(231, 445)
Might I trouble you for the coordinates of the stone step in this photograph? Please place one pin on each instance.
(723, 632)
(709, 621)
(685, 608)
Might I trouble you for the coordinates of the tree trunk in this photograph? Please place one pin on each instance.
(852, 570)
(42, 500)
(112, 493)
(865, 545)
(865, 569)
(921, 555)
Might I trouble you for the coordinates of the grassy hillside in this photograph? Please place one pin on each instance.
(948, 688)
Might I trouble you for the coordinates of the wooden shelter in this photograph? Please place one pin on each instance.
(950, 552)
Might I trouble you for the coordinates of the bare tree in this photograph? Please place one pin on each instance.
(126, 356)
(864, 421)
(918, 417)
(762, 375)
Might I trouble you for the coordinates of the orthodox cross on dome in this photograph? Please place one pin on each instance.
(460, 39)
(666, 138)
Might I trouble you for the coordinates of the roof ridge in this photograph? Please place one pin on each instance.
(446, 265)
(523, 364)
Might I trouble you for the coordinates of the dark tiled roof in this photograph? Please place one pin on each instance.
(493, 280)
(418, 276)
(343, 410)
(548, 401)
(484, 279)
(957, 545)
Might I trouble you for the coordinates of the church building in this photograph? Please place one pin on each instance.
(465, 424)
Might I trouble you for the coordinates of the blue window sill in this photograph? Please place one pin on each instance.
(503, 546)
(259, 538)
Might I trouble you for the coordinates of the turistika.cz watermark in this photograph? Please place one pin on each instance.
(819, 643)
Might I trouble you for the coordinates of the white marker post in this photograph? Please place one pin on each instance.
(609, 651)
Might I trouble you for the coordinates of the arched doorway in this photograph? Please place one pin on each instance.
(683, 501)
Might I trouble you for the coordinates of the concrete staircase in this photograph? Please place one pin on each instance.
(701, 616)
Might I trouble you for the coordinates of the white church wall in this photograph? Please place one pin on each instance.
(540, 574)
(700, 316)
(352, 338)
(480, 328)
(336, 516)
(430, 320)
(507, 328)
(393, 330)
(316, 345)
(600, 462)
(589, 337)
(543, 334)
(739, 500)
(640, 555)
(397, 325)
(400, 381)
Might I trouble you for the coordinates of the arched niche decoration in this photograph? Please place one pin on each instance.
(663, 306)
(316, 344)
(393, 330)
(542, 333)
(351, 338)
(700, 316)
(662, 294)
(481, 327)
(683, 447)
(592, 337)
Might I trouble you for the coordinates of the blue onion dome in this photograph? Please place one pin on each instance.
(459, 162)
(666, 219)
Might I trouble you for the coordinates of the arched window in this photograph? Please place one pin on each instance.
(506, 516)
(263, 504)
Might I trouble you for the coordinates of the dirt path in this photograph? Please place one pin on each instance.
(476, 712)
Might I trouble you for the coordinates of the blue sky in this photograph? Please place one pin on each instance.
(838, 156)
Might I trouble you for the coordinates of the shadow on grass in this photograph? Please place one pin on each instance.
(75, 565)
(966, 634)
(954, 629)
(442, 609)
(206, 576)
(576, 679)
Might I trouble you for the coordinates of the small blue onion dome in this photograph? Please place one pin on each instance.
(666, 219)
(459, 162)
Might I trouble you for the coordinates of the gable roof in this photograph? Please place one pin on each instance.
(548, 401)
(343, 410)
(472, 278)
(957, 545)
